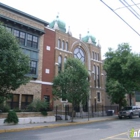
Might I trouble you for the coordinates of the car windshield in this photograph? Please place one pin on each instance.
(127, 108)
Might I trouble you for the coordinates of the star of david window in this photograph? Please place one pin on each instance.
(78, 53)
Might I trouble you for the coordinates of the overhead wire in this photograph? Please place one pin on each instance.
(127, 6)
(135, 4)
(129, 9)
(120, 17)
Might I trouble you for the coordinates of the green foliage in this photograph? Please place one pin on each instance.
(72, 83)
(13, 65)
(38, 106)
(4, 107)
(17, 110)
(44, 113)
(11, 117)
(122, 68)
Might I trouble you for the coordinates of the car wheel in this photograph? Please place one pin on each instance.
(130, 117)
(120, 117)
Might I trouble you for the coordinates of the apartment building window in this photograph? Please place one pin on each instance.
(59, 64)
(26, 100)
(32, 41)
(33, 67)
(66, 46)
(14, 101)
(59, 43)
(20, 36)
(9, 29)
(63, 44)
(98, 97)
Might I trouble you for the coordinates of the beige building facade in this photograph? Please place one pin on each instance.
(29, 31)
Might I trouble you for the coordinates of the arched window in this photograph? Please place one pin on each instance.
(79, 53)
(95, 55)
(63, 44)
(66, 46)
(94, 75)
(65, 59)
(59, 63)
(98, 76)
(59, 43)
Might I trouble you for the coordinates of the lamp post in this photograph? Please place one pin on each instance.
(95, 103)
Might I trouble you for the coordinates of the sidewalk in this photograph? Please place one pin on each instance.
(14, 128)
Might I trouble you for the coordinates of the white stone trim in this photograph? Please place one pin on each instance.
(62, 50)
(41, 82)
(63, 101)
(56, 64)
(50, 28)
(96, 61)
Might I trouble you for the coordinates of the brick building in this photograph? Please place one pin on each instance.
(85, 49)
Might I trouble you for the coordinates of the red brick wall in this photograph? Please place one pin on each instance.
(48, 63)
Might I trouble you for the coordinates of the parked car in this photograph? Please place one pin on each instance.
(129, 112)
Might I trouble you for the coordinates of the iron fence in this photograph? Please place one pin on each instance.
(65, 112)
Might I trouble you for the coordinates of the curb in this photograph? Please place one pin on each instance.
(54, 125)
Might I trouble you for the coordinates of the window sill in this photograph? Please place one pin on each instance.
(33, 76)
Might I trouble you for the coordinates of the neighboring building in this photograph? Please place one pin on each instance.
(29, 31)
(48, 65)
(84, 49)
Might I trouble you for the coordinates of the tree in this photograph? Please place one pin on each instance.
(13, 65)
(122, 68)
(72, 83)
(116, 92)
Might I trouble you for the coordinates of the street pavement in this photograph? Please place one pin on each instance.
(59, 123)
(118, 129)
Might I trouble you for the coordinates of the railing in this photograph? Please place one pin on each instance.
(65, 113)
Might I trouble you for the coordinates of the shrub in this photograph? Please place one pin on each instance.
(44, 113)
(11, 117)
(38, 106)
(17, 110)
(4, 108)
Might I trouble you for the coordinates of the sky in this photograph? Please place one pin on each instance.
(84, 15)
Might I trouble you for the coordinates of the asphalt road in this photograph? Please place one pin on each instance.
(109, 130)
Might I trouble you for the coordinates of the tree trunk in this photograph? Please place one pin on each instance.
(120, 106)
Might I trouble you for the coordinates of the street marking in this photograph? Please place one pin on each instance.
(120, 139)
(114, 136)
(125, 133)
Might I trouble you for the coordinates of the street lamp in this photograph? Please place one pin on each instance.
(95, 103)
